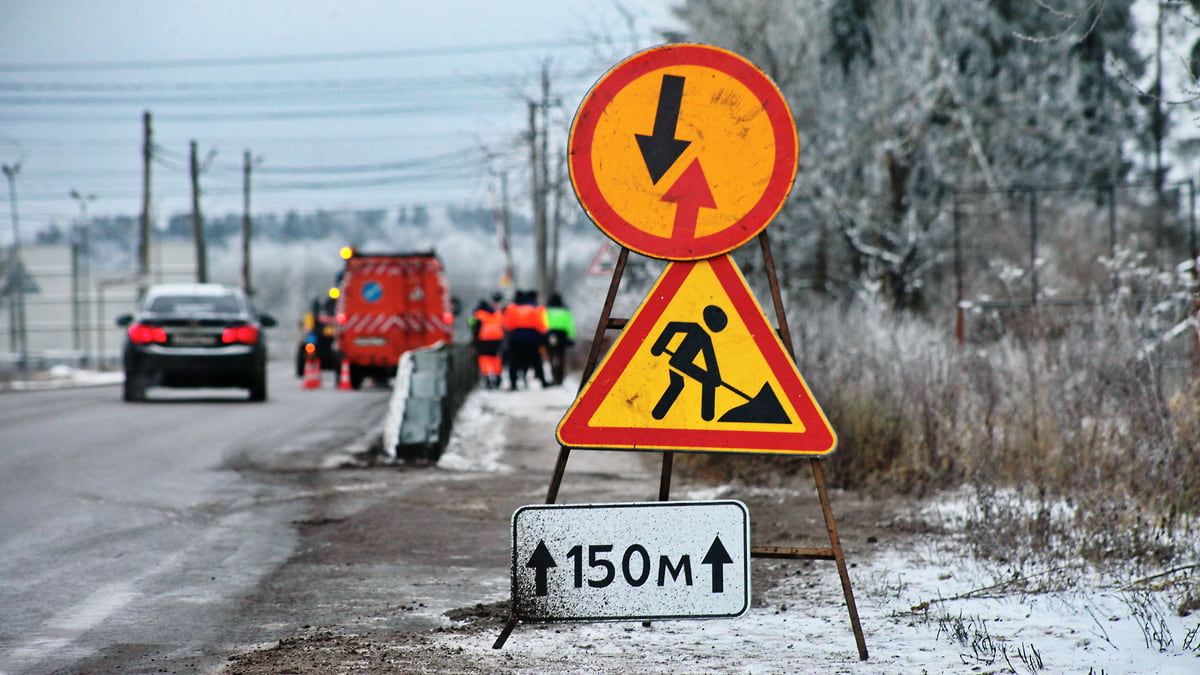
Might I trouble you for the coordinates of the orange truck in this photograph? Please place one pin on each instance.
(388, 304)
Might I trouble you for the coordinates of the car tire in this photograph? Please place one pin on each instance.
(134, 389)
(258, 386)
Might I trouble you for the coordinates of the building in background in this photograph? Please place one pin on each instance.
(71, 307)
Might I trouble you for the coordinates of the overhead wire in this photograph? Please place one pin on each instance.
(181, 101)
(292, 59)
(435, 82)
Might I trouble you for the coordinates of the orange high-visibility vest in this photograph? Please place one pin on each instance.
(491, 325)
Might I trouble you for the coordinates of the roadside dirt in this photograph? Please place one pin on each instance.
(399, 565)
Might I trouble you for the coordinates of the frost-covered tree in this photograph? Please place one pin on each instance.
(900, 104)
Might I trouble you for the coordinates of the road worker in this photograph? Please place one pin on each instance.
(560, 337)
(525, 328)
(487, 336)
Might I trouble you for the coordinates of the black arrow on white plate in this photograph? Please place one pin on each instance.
(540, 561)
(718, 557)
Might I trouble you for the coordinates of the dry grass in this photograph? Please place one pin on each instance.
(1086, 411)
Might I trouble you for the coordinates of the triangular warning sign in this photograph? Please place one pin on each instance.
(605, 261)
(698, 368)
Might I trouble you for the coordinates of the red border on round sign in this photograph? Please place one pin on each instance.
(783, 172)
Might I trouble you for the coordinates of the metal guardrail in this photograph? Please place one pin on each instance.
(430, 386)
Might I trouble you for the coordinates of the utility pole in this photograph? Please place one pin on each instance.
(197, 221)
(541, 179)
(16, 273)
(539, 204)
(81, 250)
(500, 216)
(246, 224)
(1158, 122)
(545, 285)
(143, 252)
(556, 221)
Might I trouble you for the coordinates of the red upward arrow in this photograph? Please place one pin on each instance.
(690, 193)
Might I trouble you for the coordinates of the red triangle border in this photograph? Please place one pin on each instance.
(575, 430)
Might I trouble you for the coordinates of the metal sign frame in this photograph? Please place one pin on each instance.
(833, 552)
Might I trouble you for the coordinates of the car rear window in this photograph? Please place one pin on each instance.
(190, 305)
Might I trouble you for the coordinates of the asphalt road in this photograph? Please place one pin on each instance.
(131, 533)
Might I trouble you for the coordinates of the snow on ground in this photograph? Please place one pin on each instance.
(61, 376)
(925, 603)
(478, 439)
(805, 628)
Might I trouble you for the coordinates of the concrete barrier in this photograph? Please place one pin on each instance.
(430, 386)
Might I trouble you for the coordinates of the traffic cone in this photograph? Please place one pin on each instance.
(344, 375)
(312, 374)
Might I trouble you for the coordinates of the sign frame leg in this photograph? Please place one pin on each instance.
(564, 453)
(834, 552)
(818, 472)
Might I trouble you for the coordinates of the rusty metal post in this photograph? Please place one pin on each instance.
(839, 558)
(818, 473)
(1033, 245)
(1195, 253)
(564, 452)
(560, 466)
(960, 328)
(664, 483)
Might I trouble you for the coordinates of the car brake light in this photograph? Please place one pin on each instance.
(447, 318)
(244, 334)
(341, 317)
(141, 334)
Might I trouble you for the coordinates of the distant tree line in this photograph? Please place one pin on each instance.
(351, 226)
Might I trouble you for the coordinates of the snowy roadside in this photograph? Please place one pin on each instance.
(61, 377)
(926, 604)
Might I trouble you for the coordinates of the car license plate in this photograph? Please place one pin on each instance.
(370, 341)
(193, 340)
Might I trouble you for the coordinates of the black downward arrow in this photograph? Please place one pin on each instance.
(661, 149)
(718, 557)
(540, 561)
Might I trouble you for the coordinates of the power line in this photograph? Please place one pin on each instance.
(436, 168)
(426, 177)
(459, 50)
(204, 99)
(451, 176)
(305, 85)
(442, 108)
(460, 157)
(257, 141)
(168, 163)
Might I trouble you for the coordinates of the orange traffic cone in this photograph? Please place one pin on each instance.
(312, 374)
(344, 376)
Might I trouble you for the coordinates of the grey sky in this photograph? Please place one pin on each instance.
(396, 101)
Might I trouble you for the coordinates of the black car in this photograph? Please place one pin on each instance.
(195, 335)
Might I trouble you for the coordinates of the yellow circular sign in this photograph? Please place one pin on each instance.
(683, 152)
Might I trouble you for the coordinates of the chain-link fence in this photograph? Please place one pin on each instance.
(1040, 258)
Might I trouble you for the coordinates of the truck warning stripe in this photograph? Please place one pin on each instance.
(382, 323)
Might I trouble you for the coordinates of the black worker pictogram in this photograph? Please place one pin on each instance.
(696, 358)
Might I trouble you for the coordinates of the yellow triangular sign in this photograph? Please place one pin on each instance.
(698, 368)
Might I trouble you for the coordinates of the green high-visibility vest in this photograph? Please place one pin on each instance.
(560, 319)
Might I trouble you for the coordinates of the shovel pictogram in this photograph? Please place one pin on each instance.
(762, 408)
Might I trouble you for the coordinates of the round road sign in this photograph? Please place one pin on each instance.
(683, 152)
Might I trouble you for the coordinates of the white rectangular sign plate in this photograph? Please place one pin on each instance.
(651, 560)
